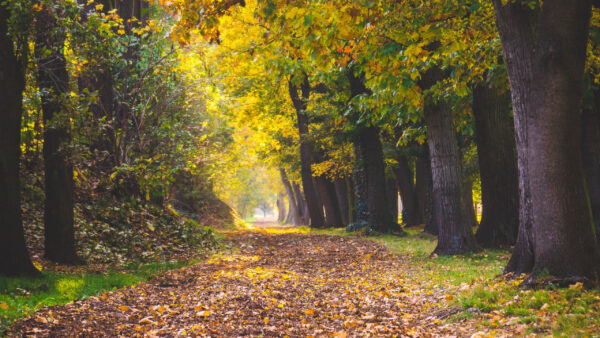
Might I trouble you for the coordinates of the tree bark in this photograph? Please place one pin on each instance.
(467, 191)
(317, 219)
(495, 137)
(341, 193)
(392, 191)
(14, 258)
(328, 199)
(380, 217)
(408, 193)
(424, 187)
(293, 216)
(590, 145)
(545, 53)
(53, 80)
(303, 208)
(455, 234)
(281, 212)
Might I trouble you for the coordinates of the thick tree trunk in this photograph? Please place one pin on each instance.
(590, 141)
(14, 259)
(424, 188)
(495, 135)
(392, 196)
(53, 80)
(317, 219)
(341, 193)
(545, 55)
(411, 215)
(467, 191)
(455, 233)
(380, 217)
(328, 199)
(293, 216)
(359, 177)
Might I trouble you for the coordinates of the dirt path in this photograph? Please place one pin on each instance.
(275, 285)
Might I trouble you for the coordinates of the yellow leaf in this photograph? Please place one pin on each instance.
(576, 286)
(204, 313)
(309, 312)
(3, 306)
(123, 307)
(340, 334)
(266, 319)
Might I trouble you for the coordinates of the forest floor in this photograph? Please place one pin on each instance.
(294, 282)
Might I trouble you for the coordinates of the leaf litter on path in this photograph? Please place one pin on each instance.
(275, 285)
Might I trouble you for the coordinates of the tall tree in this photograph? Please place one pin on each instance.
(293, 216)
(53, 81)
(14, 259)
(545, 50)
(315, 209)
(370, 168)
(495, 136)
(455, 234)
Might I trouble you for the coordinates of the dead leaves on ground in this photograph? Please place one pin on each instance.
(275, 285)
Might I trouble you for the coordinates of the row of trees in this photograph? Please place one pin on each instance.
(95, 93)
(420, 98)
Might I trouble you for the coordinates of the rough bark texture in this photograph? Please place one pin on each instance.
(315, 210)
(14, 259)
(424, 187)
(411, 214)
(380, 217)
(53, 80)
(293, 216)
(328, 200)
(455, 234)
(495, 136)
(590, 145)
(545, 54)
(467, 192)
(342, 196)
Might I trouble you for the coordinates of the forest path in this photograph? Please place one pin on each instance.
(279, 282)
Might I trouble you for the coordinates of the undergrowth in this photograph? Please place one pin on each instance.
(20, 296)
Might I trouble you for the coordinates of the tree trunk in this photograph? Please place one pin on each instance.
(545, 53)
(380, 217)
(392, 191)
(341, 193)
(424, 187)
(293, 216)
(14, 259)
(302, 207)
(467, 191)
(495, 138)
(408, 193)
(590, 140)
(281, 213)
(455, 234)
(53, 80)
(317, 219)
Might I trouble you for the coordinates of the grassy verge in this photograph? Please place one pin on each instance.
(20, 296)
(473, 286)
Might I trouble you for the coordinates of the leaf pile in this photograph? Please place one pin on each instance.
(286, 284)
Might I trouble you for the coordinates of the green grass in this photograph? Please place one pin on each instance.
(475, 282)
(20, 296)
